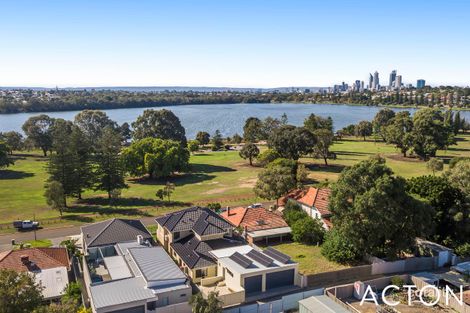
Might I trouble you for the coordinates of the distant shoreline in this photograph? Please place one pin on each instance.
(396, 106)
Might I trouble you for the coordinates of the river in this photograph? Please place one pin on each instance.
(228, 118)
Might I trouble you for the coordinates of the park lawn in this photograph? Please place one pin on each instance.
(309, 257)
(42, 243)
(216, 177)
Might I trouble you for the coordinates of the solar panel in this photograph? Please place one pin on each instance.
(241, 260)
(260, 258)
(281, 257)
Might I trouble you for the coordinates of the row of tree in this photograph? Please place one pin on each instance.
(427, 131)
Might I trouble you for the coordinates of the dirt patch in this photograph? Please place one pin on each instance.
(247, 183)
(400, 157)
(216, 191)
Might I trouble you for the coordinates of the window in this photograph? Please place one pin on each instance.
(176, 235)
(151, 306)
(201, 273)
(228, 272)
(183, 295)
(166, 301)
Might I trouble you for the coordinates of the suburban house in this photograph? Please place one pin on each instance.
(123, 272)
(246, 274)
(314, 201)
(190, 234)
(113, 231)
(50, 267)
(258, 223)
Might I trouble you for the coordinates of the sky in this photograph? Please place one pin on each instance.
(231, 43)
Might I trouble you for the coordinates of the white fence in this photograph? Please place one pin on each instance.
(289, 302)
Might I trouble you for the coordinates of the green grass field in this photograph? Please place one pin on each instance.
(310, 259)
(216, 177)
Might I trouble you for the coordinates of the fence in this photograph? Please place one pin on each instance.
(348, 274)
(288, 302)
(407, 265)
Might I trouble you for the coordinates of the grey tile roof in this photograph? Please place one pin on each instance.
(155, 264)
(196, 254)
(202, 221)
(120, 292)
(114, 231)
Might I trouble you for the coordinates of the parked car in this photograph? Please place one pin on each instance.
(26, 224)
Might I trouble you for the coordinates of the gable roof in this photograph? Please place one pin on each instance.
(254, 218)
(201, 221)
(195, 253)
(318, 198)
(113, 231)
(38, 259)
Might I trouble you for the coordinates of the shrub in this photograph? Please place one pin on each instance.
(463, 250)
(397, 281)
(308, 231)
(338, 249)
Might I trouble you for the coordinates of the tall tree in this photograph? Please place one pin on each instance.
(92, 123)
(249, 151)
(81, 150)
(155, 157)
(62, 165)
(275, 181)
(217, 142)
(381, 120)
(39, 131)
(368, 199)
(162, 124)
(203, 138)
(253, 130)
(314, 122)
(19, 292)
(5, 160)
(430, 133)
(292, 142)
(398, 131)
(14, 140)
(457, 123)
(324, 139)
(451, 213)
(109, 166)
(55, 196)
(363, 129)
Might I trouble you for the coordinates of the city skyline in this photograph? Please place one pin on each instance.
(231, 44)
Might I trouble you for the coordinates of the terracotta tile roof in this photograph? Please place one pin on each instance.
(312, 197)
(236, 215)
(39, 259)
(328, 223)
(255, 218)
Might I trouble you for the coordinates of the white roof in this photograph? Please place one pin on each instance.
(117, 267)
(226, 252)
(322, 304)
(54, 281)
(270, 232)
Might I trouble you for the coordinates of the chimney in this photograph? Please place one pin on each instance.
(246, 232)
(140, 239)
(228, 211)
(24, 259)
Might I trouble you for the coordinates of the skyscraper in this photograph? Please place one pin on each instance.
(362, 86)
(420, 83)
(393, 76)
(371, 81)
(398, 82)
(376, 82)
(357, 85)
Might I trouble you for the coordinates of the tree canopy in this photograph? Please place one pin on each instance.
(19, 292)
(155, 157)
(39, 131)
(249, 151)
(292, 142)
(162, 124)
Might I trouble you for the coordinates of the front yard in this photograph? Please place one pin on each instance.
(310, 259)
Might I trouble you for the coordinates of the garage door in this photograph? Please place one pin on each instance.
(253, 284)
(280, 279)
(136, 309)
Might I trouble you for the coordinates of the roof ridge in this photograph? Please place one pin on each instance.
(106, 227)
(244, 214)
(316, 195)
(47, 255)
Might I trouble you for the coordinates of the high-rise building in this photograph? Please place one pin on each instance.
(420, 83)
(371, 81)
(398, 82)
(357, 85)
(362, 86)
(376, 82)
(393, 76)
